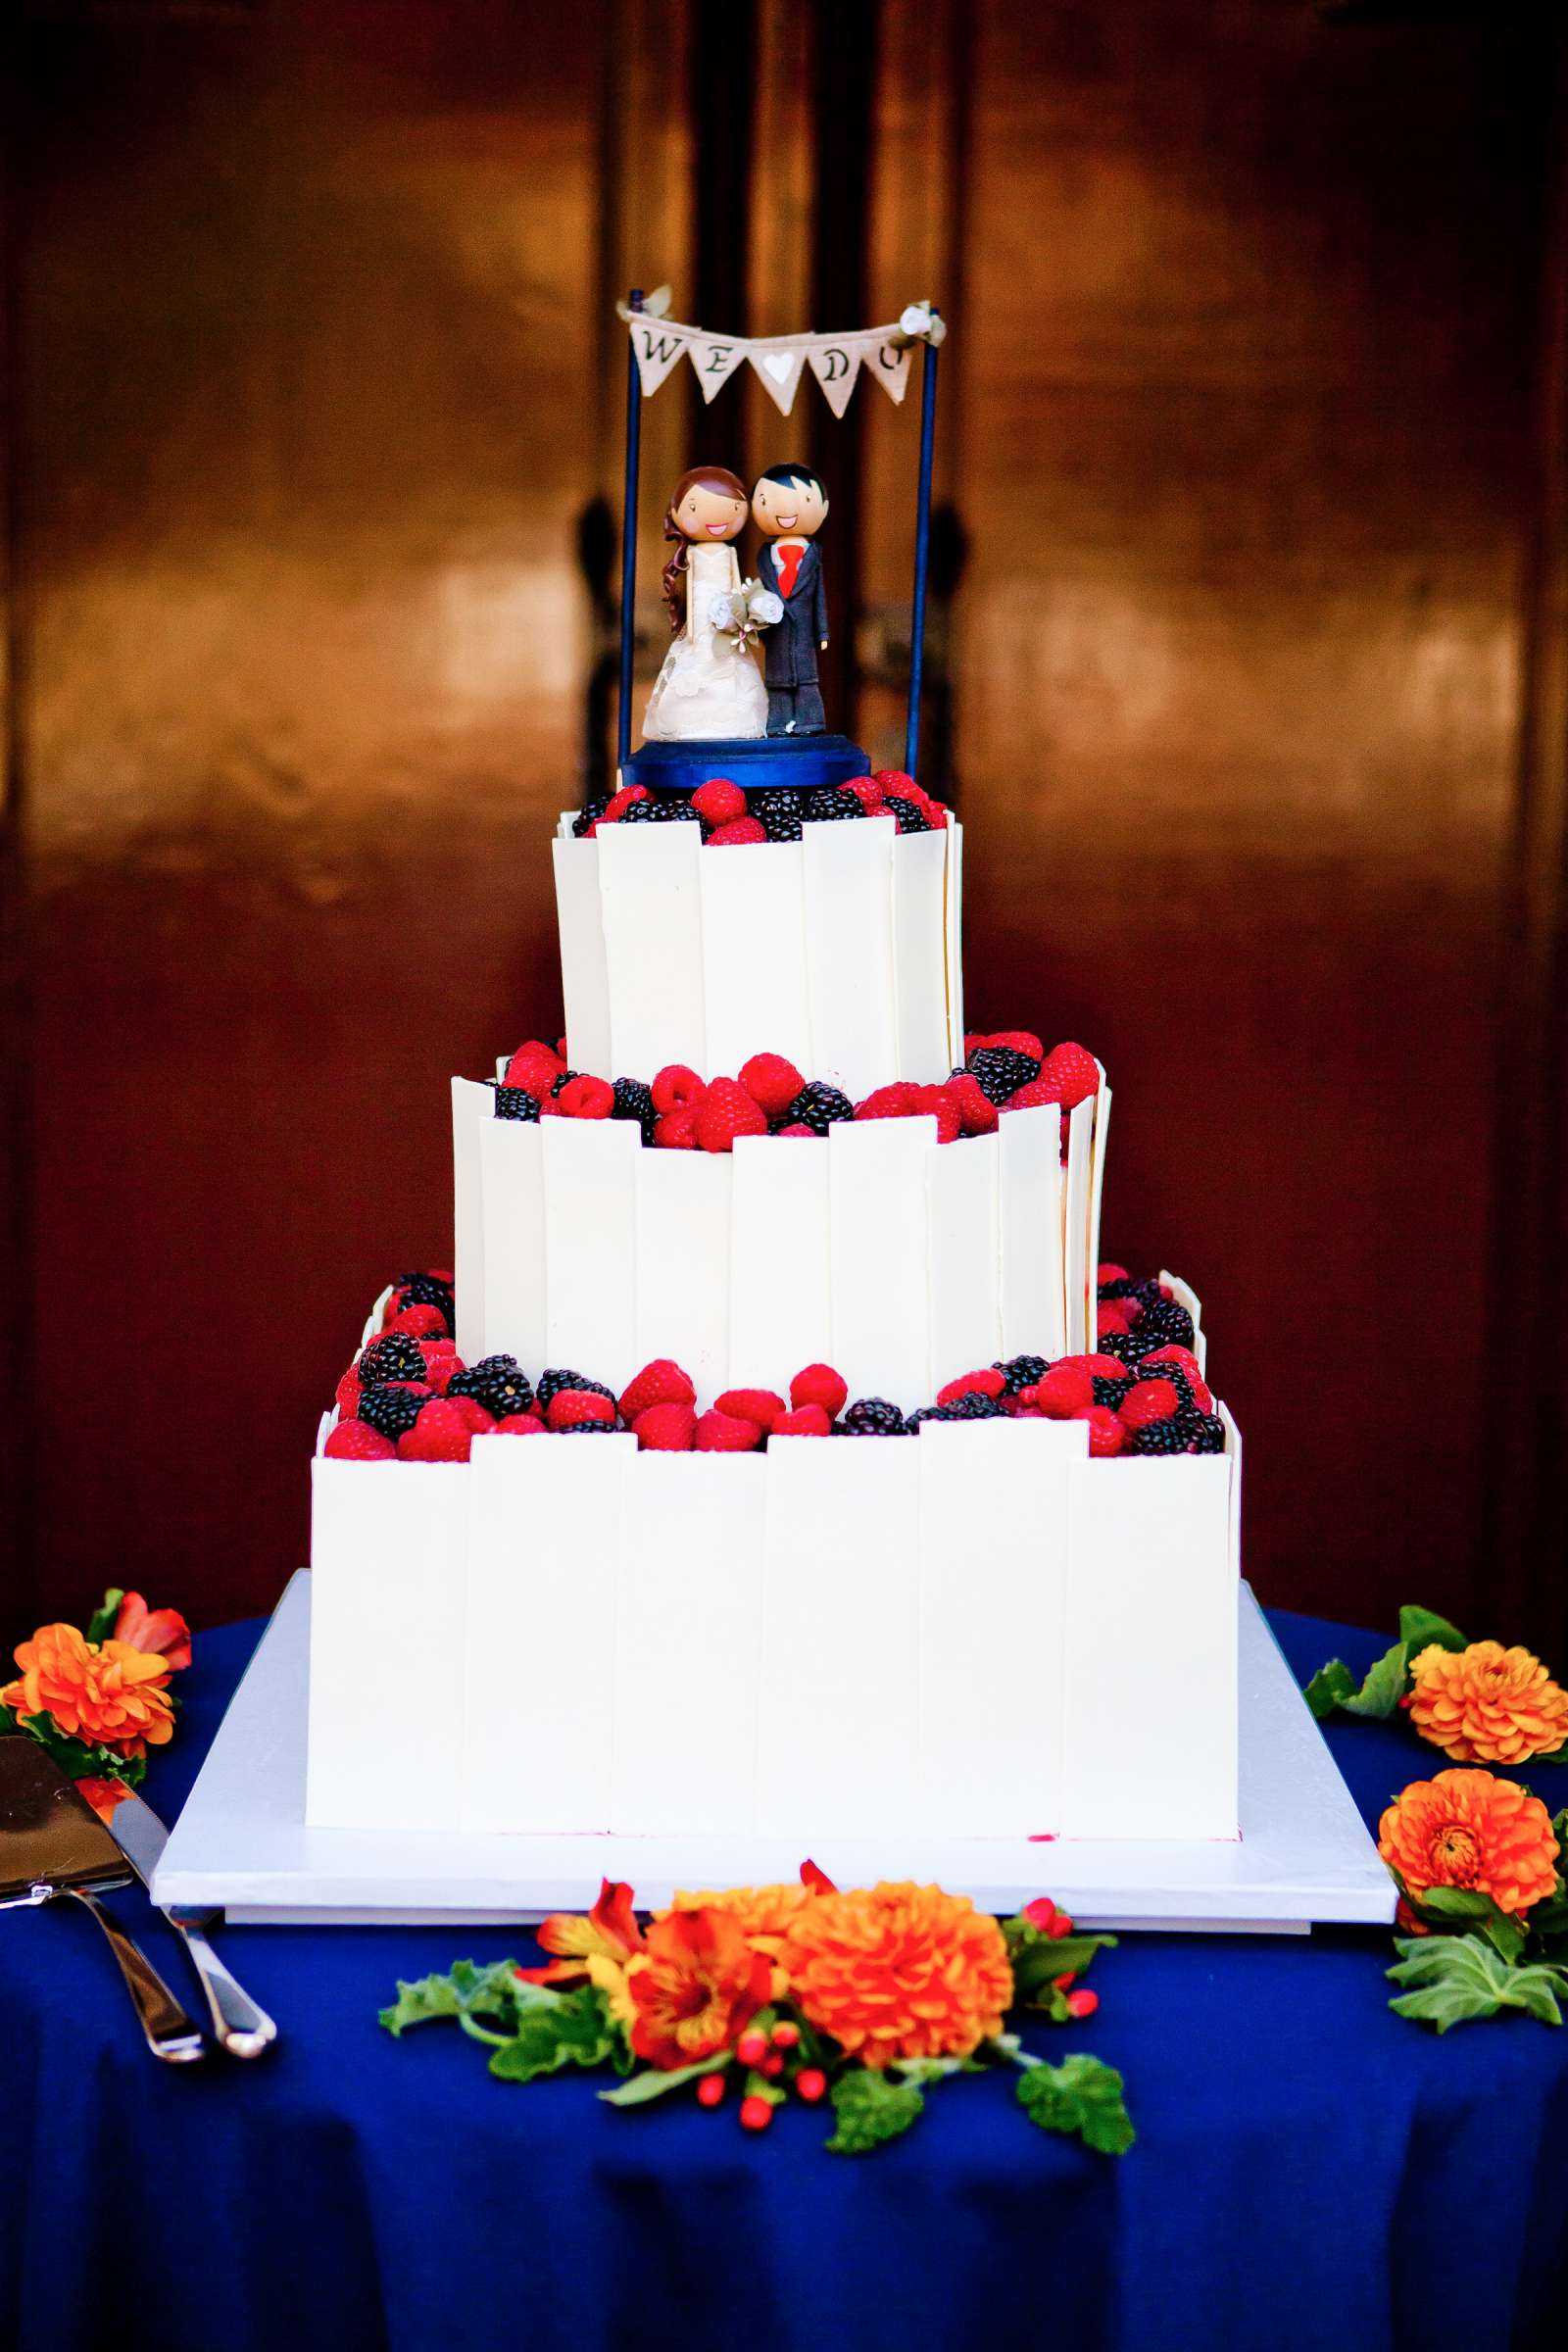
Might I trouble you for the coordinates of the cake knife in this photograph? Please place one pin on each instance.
(240, 2024)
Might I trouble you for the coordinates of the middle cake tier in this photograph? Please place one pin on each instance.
(840, 951)
(901, 1260)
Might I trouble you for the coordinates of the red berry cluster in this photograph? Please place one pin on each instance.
(771, 2056)
(1043, 1914)
(727, 823)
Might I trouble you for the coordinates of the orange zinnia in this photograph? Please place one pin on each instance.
(900, 1972)
(100, 1691)
(693, 1987)
(1487, 1704)
(1470, 1829)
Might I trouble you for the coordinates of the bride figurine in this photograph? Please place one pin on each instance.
(710, 685)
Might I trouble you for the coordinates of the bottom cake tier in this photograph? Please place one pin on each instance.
(986, 1620)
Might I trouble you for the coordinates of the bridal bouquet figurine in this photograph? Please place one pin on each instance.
(741, 615)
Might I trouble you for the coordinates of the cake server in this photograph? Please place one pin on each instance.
(240, 2024)
(53, 1843)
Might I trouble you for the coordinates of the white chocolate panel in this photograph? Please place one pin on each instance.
(473, 1107)
(963, 1257)
(851, 974)
(515, 1295)
(878, 1269)
(754, 955)
(683, 1282)
(590, 1246)
(1034, 1298)
(651, 906)
(780, 1294)
(584, 976)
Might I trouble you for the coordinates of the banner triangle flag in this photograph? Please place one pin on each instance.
(714, 360)
(835, 367)
(778, 371)
(657, 343)
(889, 364)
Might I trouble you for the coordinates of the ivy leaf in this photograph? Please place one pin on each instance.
(575, 2029)
(1081, 2095)
(1420, 1629)
(653, 2082)
(101, 1624)
(1453, 1978)
(465, 1990)
(871, 2110)
(1334, 1685)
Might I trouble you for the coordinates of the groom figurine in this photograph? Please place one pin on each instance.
(788, 505)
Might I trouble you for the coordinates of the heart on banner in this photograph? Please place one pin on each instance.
(779, 373)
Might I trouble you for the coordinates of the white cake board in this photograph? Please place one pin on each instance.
(241, 1843)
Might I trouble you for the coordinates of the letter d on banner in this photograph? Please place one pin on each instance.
(835, 367)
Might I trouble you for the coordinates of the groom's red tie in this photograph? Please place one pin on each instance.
(786, 561)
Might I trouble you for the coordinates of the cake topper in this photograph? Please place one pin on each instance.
(710, 685)
(789, 507)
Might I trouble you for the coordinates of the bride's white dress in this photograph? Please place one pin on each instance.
(708, 687)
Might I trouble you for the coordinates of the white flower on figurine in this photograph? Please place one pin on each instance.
(763, 605)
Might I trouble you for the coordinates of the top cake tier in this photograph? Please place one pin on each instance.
(840, 951)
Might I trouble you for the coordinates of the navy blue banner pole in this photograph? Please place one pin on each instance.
(628, 540)
(922, 538)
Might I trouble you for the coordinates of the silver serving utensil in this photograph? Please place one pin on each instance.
(53, 1843)
(240, 2024)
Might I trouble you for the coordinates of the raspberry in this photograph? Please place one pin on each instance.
(347, 1399)
(1106, 1272)
(620, 802)
(676, 1088)
(587, 1099)
(725, 1112)
(569, 1406)
(554, 1380)
(676, 1131)
(734, 836)
(894, 779)
(895, 1102)
(473, 1413)
(358, 1441)
(977, 1114)
(665, 1428)
(867, 790)
(875, 1417)
(441, 1434)
(1075, 1073)
(662, 1382)
(1108, 1436)
(1066, 1390)
(392, 1359)
(1101, 1367)
(936, 1103)
(771, 1082)
(722, 1433)
(521, 1425)
(420, 1323)
(1038, 1094)
(999, 1072)
(818, 1107)
(719, 802)
(535, 1067)
(819, 1383)
(1110, 1322)
(751, 1405)
(1172, 1359)
(442, 1364)
(1019, 1041)
(1149, 1401)
(797, 1129)
(989, 1383)
(809, 1421)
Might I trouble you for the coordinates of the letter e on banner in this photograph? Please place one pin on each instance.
(714, 362)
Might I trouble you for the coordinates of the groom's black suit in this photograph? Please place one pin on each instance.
(790, 646)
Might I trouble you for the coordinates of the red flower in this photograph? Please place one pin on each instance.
(159, 1632)
(694, 1986)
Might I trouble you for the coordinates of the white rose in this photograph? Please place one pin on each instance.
(767, 608)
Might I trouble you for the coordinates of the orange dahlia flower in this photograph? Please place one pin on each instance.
(1470, 1829)
(99, 1692)
(900, 1972)
(764, 1914)
(1487, 1704)
(694, 1986)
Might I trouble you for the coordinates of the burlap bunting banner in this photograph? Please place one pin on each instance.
(838, 362)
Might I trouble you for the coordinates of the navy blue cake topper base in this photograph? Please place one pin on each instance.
(756, 763)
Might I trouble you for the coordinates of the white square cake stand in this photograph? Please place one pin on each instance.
(242, 1844)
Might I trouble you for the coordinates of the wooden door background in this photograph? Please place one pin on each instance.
(1251, 689)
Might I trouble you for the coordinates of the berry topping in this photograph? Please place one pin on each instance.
(662, 1382)
(420, 1323)
(809, 1421)
(394, 1358)
(735, 835)
(520, 1425)
(347, 1399)
(867, 790)
(358, 1441)
(818, 1107)
(751, 1405)
(498, 1383)
(1074, 1073)
(911, 818)
(977, 1114)
(771, 1082)
(999, 1072)
(1149, 1401)
(393, 1410)
(723, 1433)
(666, 1429)
(620, 802)
(989, 1383)
(534, 1065)
(586, 1098)
(441, 1434)
(875, 1417)
(719, 802)
(895, 1101)
(831, 806)
(568, 1407)
(1108, 1436)
(725, 1112)
(634, 1100)
(676, 1088)
(1021, 1372)
(676, 1131)
(473, 1413)
(1066, 1390)
(819, 1383)
(552, 1383)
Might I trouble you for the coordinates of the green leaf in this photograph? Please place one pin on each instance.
(576, 2031)
(652, 2083)
(1420, 1628)
(1081, 2095)
(871, 2110)
(1334, 1685)
(1038, 1958)
(1453, 1979)
(492, 1991)
(1329, 1688)
(101, 1624)
(1482, 1917)
(933, 2070)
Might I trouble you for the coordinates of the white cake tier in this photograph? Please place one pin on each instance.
(839, 951)
(977, 1631)
(899, 1260)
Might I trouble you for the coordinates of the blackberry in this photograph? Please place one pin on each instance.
(975, 1405)
(1161, 1436)
(1021, 1372)
(1167, 1323)
(1118, 1344)
(567, 1076)
(590, 1429)
(591, 814)
(1146, 1291)
(1177, 1378)
(639, 813)
(830, 805)
(780, 824)
(391, 1411)
(1136, 1345)
(551, 1384)
(1205, 1432)
(498, 1383)
(634, 1100)
(424, 1290)
(1000, 1071)
(1123, 1288)
(909, 815)
(670, 809)
(1109, 1391)
(394, 1358)
(933, 1412)
(817, 1107)
(874, 1417)
(515, 1102)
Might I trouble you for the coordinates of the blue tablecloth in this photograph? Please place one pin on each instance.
(1311, 2170)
